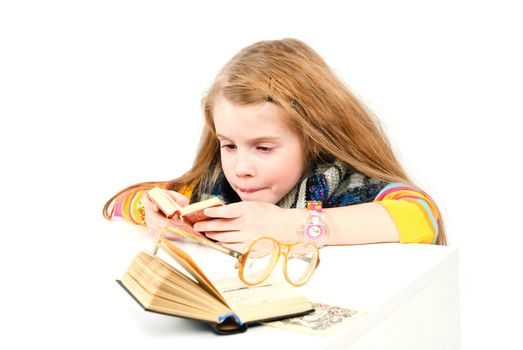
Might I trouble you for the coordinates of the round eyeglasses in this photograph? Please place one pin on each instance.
(261, 257)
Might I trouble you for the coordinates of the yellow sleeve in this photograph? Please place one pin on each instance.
(415, 215)
(186, 191)
(411, 221)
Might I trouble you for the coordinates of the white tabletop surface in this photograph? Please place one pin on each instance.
(79, 304)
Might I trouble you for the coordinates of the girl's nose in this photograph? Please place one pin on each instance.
(244, 166)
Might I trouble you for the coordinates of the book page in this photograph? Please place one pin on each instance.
(162, 279)
(163, 201)
(211, 202)
(237, 293)
(263, 301)
(188, 264)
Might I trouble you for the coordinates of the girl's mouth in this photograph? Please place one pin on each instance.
(249, 190)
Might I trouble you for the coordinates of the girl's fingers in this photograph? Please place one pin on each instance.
(182, 226)
(154, 220)
(228, 211)
(216, 225)
(148, 204)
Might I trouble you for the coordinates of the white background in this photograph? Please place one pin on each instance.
(97, 95)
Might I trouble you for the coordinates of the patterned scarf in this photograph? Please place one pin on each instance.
(333, 184)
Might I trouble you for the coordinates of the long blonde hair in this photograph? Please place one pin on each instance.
(331, 121)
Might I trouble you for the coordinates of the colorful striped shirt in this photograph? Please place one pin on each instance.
(415, 216)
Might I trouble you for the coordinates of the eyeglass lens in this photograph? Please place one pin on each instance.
(301, 262)
(263, 255)
(260, 260)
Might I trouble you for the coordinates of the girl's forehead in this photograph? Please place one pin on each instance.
(265, 119)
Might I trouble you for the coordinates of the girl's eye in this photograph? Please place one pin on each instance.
(229, 147)
(263, 149)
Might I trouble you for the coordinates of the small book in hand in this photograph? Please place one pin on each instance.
(227, 305)
(190, 214)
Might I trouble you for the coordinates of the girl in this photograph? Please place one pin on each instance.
(280, 130)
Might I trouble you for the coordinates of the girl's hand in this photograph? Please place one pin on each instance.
(156, 220)
(237, 225)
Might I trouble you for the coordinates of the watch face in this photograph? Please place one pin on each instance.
(314, 232)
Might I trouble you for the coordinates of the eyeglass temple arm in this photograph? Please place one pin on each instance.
(202, 240)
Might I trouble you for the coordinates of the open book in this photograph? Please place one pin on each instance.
(228, 305)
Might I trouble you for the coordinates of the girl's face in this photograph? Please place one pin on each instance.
(262, 157)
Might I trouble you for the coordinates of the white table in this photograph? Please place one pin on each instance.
(410, 294)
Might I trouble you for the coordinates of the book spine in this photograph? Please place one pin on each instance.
(230, 317)
(174, 214)
(229, 324)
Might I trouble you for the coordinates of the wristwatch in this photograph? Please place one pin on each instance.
(315, 227)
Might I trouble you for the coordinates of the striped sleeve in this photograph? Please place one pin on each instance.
(415, 215)
(129, 206)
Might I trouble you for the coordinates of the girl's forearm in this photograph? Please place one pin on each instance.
(354, 224)
(360, 224)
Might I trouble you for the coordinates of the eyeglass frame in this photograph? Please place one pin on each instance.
(283, 248)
